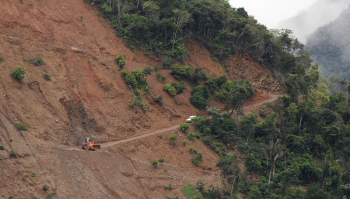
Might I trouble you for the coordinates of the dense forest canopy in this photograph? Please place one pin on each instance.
(330, 47)
(295, 148)
(161, 26)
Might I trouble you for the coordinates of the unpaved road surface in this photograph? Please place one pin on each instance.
(247, 109)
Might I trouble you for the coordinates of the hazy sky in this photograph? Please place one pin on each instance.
(270, 12)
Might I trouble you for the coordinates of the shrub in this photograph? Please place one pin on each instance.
(34, 174)
(21, 127)
(124, 73)
(49, 196)
(200, 75)
(171, 90)
(195, 161)
(185, 142)
(174, 137)
(37, 61)
(168, 187)
(104, 63)
(182, 72)
(13, 154)
(148, 70)
(184, 127)
(2, 147)
(158, 100)
(198, 100)
(155, 163)
(192, 150)
(156, 68)
(121, 60)
(173, 143)
(161, 77)
(199, 156)
(1, 59)
(179, 87)
(18, 73)
(189, 191)
(47, 76)
(45, 187)
(193, 136)
(161, 160)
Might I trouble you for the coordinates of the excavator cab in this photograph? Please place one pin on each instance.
(90, 145)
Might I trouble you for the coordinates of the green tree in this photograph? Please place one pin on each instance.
(18, 73)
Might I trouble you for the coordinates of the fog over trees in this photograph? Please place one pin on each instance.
(320, 13)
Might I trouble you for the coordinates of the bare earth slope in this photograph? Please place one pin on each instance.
(88, 99)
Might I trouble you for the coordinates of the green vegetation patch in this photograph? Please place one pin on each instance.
(18, 73)
(37, 61)
(189, 191)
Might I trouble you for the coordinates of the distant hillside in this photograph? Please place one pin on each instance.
(317, 15)
(329, 46)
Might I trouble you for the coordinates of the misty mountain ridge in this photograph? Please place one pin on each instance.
(318, 14)
(330, 48)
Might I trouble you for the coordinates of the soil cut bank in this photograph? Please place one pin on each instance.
(86, 98)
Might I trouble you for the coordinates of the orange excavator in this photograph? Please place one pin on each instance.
(90, 145)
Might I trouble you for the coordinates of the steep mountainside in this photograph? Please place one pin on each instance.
(329, 46)
(87, 97)
(317, 15)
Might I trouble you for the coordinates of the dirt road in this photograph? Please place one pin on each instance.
(247, 109)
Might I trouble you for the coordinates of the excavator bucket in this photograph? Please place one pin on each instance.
(96, 146)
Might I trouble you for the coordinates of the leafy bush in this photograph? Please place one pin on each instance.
(21, 126)
(148, 70)
(179, 87)
(189, 191)
(192, 150)
(1, 59)
(199, 156)
(34, 174)
(156, 68)
(47, 76)
(155, 163)
(182, 72)
(192, 136)
(195, 161)
(37, 61)
(45, 187)
(161, 160)
(173, 143)
(161, 77)
(174, 137)
(185, 142)
(199, 75)
(18, 73)
(171, 90)
(121, 60)
(13, 154)
(184, 127)
(2, 147)
(158, 99)
(168, 187)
